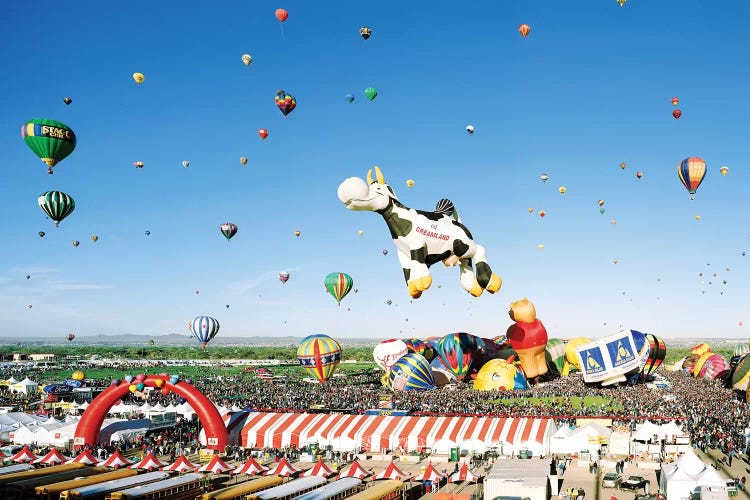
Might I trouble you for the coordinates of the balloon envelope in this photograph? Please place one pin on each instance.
(411, 372)
(456, 351)
(56, 204)
(319, 355)
(228, 230)
(371, 93)
(388, 352)
(50, 140)
(283, 276)
(338, 285)
(282, 15)
(285, 102)
(204, 328)
(691, 172)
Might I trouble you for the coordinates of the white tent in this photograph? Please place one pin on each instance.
(11, 381)
(26, 386)
(559, 443)
(678, 479)
(185, 410)
(646, 431)
(22, 435)
(670, 431)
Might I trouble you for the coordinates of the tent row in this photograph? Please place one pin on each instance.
(375, 433)
(56, 433)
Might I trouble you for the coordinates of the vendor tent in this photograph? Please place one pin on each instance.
(680, 478)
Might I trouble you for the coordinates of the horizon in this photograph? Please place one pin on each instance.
(590, 87)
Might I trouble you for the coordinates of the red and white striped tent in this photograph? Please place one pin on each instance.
(283, 468)
(251, 468)
(320, 469)
(355, 470)
(85, 457)
(463, 474)
(375, 432)
(24, 455)
(2, 455)
(216, 465)
(391, 472)
(429, 474)
(116, 460)
(53, 457)
(149, 462)
(181, 464)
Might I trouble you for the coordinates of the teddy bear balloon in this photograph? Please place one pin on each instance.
(528, 338)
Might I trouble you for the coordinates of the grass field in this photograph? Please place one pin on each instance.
(576, 402)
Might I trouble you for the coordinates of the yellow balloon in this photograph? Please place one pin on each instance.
(132, 388)
(571, 356)
(138, 77)
(531, 209)
(78, 375)
(247, 59)
(410, 183)
(360, 232)
(698, 217)
(540, 246)
(724, 170)
(562, 189)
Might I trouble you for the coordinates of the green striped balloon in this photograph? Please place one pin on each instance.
(555, 354)
(57, 205)
(52, 141)
(338, 285)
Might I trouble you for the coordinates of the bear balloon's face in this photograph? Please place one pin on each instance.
(522, 311)
(496, 375)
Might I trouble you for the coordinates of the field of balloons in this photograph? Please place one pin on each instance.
(199, 189)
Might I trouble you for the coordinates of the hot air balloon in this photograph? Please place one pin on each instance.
(389, 302)
(56, 204)
(365, 32)
(67, 100)
(185, 163)
(412, 372)
(698, 217)
(531, 209)
(456, 352)
(52, 141)
(76, 243)
(41, 234)
(639, 174)
(283, 276)
(623, 165)
(247, 59)
(138, 77)
(282, 15)
(544, 177)
(410, 183)
(371, 93)
(470, 129)
(716, 367)
(385, 252)
(28, 276)
(94, 238)
(656, 354)
(562, 189)
(621, 2)
(243, 160)
(285, 102)
(228, 230)
(420, 347)
(555, 354)
(204, 328)
(524, 30)
(388, 352)
(360, 232)
(319, 355)
(691, 172)
(138, 164)
(147, 233)
(675, 101)
(602, 210)
(297, 233)
(338, 285)
(263, 133)
(677, 114)
(70, 337)
(600, 203)
(542, 213)
(724, 170)
(150, 342)
(349, 98)
(540, 246)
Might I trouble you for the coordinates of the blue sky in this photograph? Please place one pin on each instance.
(589, 88)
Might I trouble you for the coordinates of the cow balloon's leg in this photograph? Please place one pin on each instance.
(419, 278)
(406, 264)
(485, 277)
(468, 279)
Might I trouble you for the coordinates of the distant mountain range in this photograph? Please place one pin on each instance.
(172, 339)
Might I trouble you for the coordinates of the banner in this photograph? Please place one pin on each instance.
(609, 359)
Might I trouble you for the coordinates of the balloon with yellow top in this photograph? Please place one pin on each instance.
(138, 77)
(724, 170)
(78, 375)
(410, 183)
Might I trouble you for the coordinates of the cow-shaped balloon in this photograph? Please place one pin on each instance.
(422, 238)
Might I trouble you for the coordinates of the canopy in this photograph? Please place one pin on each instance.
(85, 457)
(680, 478)
(429, 474)
(251, 468)
(391, 472)
(116, 460)
(463, 474)
(216, 465)
(182, 464)
(283, 468)
(24, 455)
(320, 469)
(53, 457)
(355, 470)
(149, 462)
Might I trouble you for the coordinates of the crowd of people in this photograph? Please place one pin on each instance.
(712, 415)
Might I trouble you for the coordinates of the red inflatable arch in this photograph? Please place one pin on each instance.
(87, 431)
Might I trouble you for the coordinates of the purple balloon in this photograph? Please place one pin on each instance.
(115, 381)
(189, 381)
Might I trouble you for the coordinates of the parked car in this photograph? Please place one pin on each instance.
(634, 483)
(611, 480)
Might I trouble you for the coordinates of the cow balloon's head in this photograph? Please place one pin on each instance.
(373, 195)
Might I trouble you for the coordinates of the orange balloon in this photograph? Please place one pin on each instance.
(524, 29)
(281, 15)
(158, 382)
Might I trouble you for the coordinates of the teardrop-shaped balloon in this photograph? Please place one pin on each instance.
(50, 140)
(319, 355)
(158, 382)
(676, 113)
(138, 77)
(140, 377)
(41, 234)
(282, 15)
(140, 386)
(412, 372)
(115, 382)
(243, 160)
(128, 378)
(365, 32)
(132, 388)
(524, 30)
(371, 93)
(285, 102)
(263, 133)
(185, 163)
(67, 100)
(349, 98)
(247, 59)
(174, 379)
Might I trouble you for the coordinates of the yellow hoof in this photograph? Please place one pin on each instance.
(494, 284)
(425, 282)
(476, 290)
(413, 287)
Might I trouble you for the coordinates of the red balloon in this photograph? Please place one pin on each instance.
(263, 133)
(281, 15)
(676, 113)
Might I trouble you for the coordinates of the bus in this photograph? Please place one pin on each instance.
(389, 489)
(26, 488)
(17, 476)
(184, 487)
(11, 469)
(240, 491)
(337, 490)
(52, 491)
(99, 491)
(289, 490)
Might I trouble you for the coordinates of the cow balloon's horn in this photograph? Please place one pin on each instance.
(369, 177)
(379, 175)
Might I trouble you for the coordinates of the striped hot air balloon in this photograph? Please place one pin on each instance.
(741, 374)
(319, 355)
(56, 204)
(656, 354)
(555, 354)
(716, 367)
(204, 328)
(412, 372)
(691, 172)
(338, 285)
(456, 352)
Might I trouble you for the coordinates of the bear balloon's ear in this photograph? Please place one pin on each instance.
(510, 313)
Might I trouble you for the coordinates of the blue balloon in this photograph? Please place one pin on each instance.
(174, 379)
(128, 378)
(181, 400)
(349, 98)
